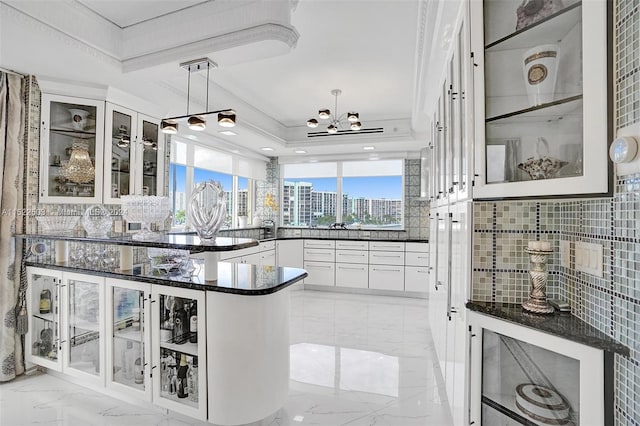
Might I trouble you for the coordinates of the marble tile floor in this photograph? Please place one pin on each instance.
(355, 360)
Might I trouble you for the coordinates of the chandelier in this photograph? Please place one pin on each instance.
(352, 118)
(79, 168)
(197, 122)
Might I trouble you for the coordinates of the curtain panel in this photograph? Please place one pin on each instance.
(12, 133)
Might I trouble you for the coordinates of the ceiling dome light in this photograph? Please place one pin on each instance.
(312, 122)
(353, 116)
(356, 126)
(196, 123)
(324, 114)
(332, 128)
(227, 118)
(169, 128)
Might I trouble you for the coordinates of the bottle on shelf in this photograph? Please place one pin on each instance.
(192, 379)
(181, 324)
(193, 322)
(173, 381)
(183, 389)
(138, 374)
(129, 360)
(45, 301)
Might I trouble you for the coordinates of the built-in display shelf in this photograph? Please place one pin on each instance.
(563, 325)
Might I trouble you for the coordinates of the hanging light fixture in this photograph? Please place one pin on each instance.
(79, 168)
(197, 122)
(227, 118)
(352, 118)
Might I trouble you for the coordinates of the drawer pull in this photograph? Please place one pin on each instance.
(324, 253)
(317, 266)
(388, 246)
(386, 255)
(352, 255)
(352, 268)
(387, 270)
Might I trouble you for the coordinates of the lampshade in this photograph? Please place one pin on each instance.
(312, 122)
(168, 127)
(124, 141)
(227, 118)
(79, 168)
(196, 123)
(353, 116)
(324, 114)
(332, 128)
(356, 126)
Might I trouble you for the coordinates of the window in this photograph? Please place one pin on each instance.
(362, 194)
(193, 164)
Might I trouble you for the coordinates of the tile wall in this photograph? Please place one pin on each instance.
(610, 303)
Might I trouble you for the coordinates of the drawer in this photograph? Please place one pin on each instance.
(386, 277)
(328, 244)
(319, 255)
(417, 247)
(268, 258)
(352, 256)
(386, 246)
(224, 255)
(267, 245)
(352, 275)
(320, 273)
(416, 259)
(386, 258)
(416, 278)
(352, 245)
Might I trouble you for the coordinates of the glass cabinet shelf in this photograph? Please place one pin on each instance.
(542, 113)
(45, 317)
(78, 134)
(547, 30)
(186, 348)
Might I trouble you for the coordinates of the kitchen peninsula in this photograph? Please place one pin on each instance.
(215, 350)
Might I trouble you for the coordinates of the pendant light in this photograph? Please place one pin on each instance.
(352, 117)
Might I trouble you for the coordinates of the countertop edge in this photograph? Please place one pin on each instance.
(606, 343)
(172, 283)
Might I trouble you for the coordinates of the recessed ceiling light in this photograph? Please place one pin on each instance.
(235, 151)
(192, 137)
(300, 151)
(368, 148)
(266, 148)
(227, 133)
(313, 161)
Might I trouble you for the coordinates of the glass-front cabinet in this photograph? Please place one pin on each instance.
(43, 343)
(83, 327)
(133, 154)
(129, 333)
(71, 134)
(540, 97)
(179, 351)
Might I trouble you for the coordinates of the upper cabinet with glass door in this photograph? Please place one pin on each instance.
(131, 155)
(71, 150)
(542, 73)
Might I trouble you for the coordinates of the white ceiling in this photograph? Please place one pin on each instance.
(368, 48)
(125, 13)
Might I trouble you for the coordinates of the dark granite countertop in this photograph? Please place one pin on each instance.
(235, 278)
(352, 239)
(173, 241)
(562, 325)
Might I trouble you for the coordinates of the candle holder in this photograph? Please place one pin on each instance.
(537, 302)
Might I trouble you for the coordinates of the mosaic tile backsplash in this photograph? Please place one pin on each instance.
(610, 303)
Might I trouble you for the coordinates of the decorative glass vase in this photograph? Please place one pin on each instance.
(97, 221)
(208, 209)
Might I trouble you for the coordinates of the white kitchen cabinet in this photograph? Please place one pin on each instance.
(416, 278)
(44, 305)
(352, 275)
(67, 122)
(289, 253)
(320, 273)
(319, 255)
(134, 150)
(386, 246)
(386, 277)
(83, 324)
(351, 245)
(179, 350)
(128, 343)
(541, 100)
(321, 244)
(386, 258)
(246, 255)
(352, 256)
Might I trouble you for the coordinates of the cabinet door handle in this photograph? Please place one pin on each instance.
(347, 267)
(352, 255)
(387, 270)
(386, 255)
(318, 266)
